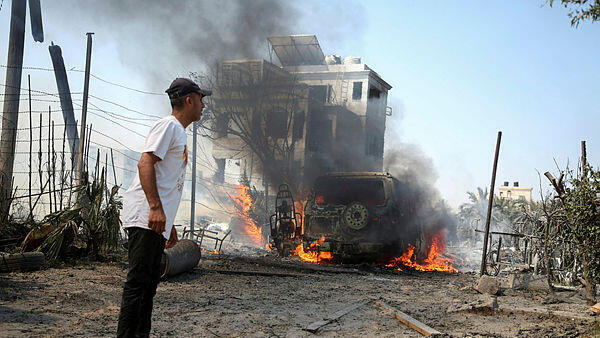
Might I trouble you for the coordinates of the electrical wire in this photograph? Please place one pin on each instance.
(92, 75)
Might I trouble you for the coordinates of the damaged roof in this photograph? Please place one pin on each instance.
(297, 50)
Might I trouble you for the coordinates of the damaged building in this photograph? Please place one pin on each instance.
(323, 113)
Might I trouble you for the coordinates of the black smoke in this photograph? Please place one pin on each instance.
(427, 212)
(163, 39)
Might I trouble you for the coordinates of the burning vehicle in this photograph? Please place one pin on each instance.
(359, 216)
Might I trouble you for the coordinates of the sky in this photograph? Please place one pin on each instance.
(460, 71)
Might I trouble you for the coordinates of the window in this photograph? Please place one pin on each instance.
(374, 145)
(319, 93)
(298, 128)
(277, 124)
(222, 125)
(357, 91)
(374, 93)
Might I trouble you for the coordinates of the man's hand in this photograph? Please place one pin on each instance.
(173, 239)
(157, 219)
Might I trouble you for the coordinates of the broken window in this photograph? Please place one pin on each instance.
(374, 93)
(329, 94)
(357, 91)
(277, 124)
(222, 125)
(321, 135)
(374, 145)
(319, 93)
(298, 128)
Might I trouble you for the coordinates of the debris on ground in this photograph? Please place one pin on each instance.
(487, 285)
(268, 296)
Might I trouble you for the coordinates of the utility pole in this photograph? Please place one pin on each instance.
(490, 203)
(86, 88)
(10, 113)
(193, 198)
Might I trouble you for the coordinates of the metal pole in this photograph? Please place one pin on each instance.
(86, 87)
(10, 113)
(193, 198)
(30, 145)
(489, 211)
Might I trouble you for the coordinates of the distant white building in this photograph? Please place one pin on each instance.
(514, 192)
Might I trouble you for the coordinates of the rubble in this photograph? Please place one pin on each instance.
(486, 303)
(487, 285)
(262, 296)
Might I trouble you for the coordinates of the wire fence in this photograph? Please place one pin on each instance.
(50, 166)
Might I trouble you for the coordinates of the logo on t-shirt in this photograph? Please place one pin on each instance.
(185, 156)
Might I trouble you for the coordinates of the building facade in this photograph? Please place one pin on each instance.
(330, 112)
(514, 192)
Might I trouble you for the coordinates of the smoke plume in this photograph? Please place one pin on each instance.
(416, 171)
(162, 37)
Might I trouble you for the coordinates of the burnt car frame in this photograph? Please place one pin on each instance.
(359, 216)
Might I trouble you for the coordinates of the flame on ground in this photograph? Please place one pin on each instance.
(433, 262)
(313, 256)
(244, 202)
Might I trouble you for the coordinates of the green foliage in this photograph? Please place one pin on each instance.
(507, 215)
(100, 216)
(580, 204)
(581, 10)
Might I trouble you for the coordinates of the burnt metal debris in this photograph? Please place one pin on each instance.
(285, 223)
(352, 215)
(182, 257)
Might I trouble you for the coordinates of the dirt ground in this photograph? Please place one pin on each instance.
(228, 297)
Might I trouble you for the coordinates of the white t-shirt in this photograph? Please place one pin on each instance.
(168, 141)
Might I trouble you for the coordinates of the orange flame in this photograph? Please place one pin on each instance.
(313, 256)
(433, 262)
(320, 200)
(244, 203)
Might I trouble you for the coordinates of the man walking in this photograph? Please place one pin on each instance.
(151, 202)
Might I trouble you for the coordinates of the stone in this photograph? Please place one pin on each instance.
(487, 285)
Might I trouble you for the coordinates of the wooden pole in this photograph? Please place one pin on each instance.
(86, 87)
(54, 170)
(50, 188)
(10, 113)
(40, 157)
(490, 202)
(87, 148)
(63, 177)
(583, 154)
(112, 160)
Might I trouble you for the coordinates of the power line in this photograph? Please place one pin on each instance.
(126, 108)
(92, 75)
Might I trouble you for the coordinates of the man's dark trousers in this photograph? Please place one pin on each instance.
(145, 252)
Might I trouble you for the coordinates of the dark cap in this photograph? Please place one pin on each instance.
(181, 87)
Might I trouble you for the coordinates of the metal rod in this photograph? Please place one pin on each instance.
(112, 160)
(526, 257)
(86, 87)
(499, 247)
(30, 145)
(193, 197)
(491, 200)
